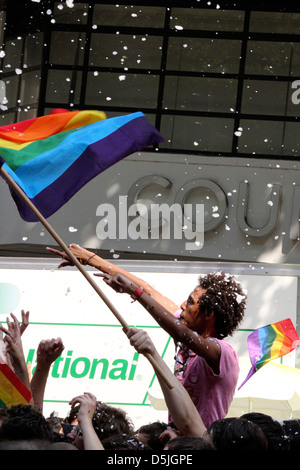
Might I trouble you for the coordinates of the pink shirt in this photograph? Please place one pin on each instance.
(211, 393)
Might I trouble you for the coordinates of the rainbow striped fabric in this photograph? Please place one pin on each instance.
(270, 342)
(52, 157)
(12, 389)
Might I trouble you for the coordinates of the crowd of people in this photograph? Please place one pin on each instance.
(198, 392)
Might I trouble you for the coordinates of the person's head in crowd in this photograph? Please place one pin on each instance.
(25, 444)
(189, 443)
(123, 442)
(54, 422)
(107, 420)
(236, 434)
(221, 294)
(20, 422)
(150, 434)
(291, 430)
(272, 429)
(61, 446)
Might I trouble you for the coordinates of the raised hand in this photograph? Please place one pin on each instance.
(80, 253)
(48, 351)
(118, 282)
(14, 348)
(25, 321)
(62, 255)
(87, 406)
(141, 341)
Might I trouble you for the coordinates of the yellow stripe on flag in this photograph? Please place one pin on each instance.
(12, 393)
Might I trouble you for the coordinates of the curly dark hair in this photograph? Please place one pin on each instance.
(107, 420)
(153, 431)
(226, 298)
(237, 434)
(181, 443)
(273, 430)
(23, 422)
(123, 442)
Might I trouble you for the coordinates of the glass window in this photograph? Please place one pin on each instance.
(27, 113)
(23, 84)
(204, 55)
(30, 88)
(67, 48)
(200, 94)
(33, 50)
(291, 139)
(207, 20)
(2, 24)
(63, 86)
(7, 118)
(129, 15)
(111, 114)
(13, 55)
(12, 90)
(120, 50)
(261, 137)
(274, 22)
(295, 59)
(264, 97)
(268, 58)
(76, 13)
(202, 134)
(121, 89)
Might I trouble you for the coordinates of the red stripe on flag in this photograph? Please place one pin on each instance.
(15, 381)
(37, 128)
(18, 126)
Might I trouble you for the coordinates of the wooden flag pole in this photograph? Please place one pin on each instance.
(75, 261)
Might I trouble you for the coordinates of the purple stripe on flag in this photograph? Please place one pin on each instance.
(254, 347)
(250, 373)
(134, 136)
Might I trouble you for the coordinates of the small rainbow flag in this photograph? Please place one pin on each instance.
(12, 389)
(52, 157)
(270, 342)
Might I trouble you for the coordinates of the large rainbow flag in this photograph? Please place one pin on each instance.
(12, 389)
(52, 157)
(270, 342)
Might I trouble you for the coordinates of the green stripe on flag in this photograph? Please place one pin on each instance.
(16, 158)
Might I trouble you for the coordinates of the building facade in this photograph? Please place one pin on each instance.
(221, 82)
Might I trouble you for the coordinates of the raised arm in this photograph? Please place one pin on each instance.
(175, 327)
(48, 351)
(24, 321)
(179, 403)
(89, 258)
(87, 406)
(14, 349)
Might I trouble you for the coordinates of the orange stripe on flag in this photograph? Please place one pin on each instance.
(284, 338)
(46, 126)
